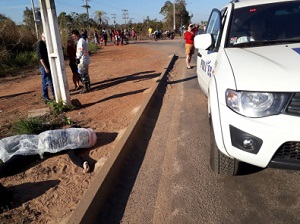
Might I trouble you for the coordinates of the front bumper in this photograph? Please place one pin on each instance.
(272, 133)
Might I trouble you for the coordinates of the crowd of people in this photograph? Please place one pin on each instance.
(79, 60)
(117, 36)
(77, 51)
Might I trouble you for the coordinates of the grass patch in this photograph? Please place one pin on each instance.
(59, 107)
(34, 126)
(56, 119)
(25, 59)
(30, 126)
(13, 63)
(92, 47)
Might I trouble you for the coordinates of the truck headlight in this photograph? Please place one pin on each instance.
(256, 104)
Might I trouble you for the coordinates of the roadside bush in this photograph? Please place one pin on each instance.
(59, 107)
(17, 46)
(39, 124)
(30, 126)
(25, 59)
(15, 38)
(27, 39)
(13, 62)
(4, 54)
(92, 47)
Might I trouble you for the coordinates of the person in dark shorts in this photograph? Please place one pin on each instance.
(71, 51)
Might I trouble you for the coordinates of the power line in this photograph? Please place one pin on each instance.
(62, 3)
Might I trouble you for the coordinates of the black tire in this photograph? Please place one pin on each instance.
(220, 163)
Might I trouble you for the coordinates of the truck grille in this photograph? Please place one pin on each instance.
(294, 106)
(288, 151)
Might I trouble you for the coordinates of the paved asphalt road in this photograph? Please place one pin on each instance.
(167, 178)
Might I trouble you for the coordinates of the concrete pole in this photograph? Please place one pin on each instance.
(87, 9)
(34, 18)
(55, 52)
(174, 17)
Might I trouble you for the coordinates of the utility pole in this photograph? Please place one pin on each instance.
(174, 16)
(113, 16)
(125, 15)
(87, 10)
(35, 21)
(55, 53)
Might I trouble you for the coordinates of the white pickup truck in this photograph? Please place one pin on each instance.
(248, 65)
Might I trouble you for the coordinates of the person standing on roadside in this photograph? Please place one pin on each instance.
(71, 51)
(189, 45)
(82, 60)
(96, 37)
(104, 34)
(84, 34)
(116, 37)
(196, 30)
(133, 34)
(150, 32)
(42, 54)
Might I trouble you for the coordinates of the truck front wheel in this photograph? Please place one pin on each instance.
(220, 163)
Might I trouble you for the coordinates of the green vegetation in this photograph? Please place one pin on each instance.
(60, 107)
(92, 48)
(17, 42)
(37, 125)
(16, 47)
(25, 58)
(30, 126)
(18, 61)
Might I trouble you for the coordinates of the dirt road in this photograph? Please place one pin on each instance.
(48, 190)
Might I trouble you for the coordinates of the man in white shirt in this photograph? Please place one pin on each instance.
(82, 60)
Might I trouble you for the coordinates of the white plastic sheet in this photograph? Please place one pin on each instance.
(51, 141)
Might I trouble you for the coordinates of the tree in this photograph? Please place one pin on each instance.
(29, 22)
(167, 12)
(153, 23)
(182, 16)
(101, 18)
(79, 21)
(3, 17)
(28, 18)
(64, 20)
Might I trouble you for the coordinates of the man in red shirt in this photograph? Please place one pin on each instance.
(189, 45)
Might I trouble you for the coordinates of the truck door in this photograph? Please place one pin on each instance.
(207, 57)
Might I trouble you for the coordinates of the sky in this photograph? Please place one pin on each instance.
(138, 10)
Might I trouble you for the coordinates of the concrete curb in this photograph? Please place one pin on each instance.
(90, 205)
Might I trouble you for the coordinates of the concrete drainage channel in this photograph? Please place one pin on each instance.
(93, 199)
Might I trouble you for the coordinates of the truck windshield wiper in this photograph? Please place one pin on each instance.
(285, 41)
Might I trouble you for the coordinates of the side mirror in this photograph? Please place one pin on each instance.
(203, 41)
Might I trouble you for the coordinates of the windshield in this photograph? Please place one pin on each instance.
(266, 24)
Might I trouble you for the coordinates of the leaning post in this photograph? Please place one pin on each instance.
(55, 51)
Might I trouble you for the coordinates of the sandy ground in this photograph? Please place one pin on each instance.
(48, 190)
